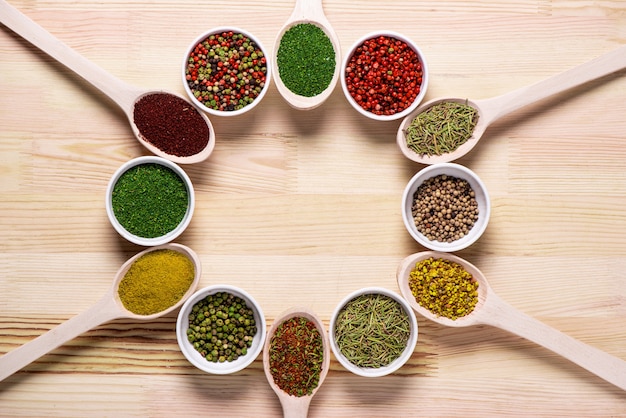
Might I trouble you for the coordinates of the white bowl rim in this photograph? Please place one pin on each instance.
(397, 363)
(423, 86)
(268, 75)
(194, 357)
(482, 198)
(173, 234)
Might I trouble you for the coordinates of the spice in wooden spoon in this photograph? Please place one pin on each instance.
(489, 309)
(491, 110)
(149, 285)
(164, 123)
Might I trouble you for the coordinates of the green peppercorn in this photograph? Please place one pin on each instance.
(226, 330)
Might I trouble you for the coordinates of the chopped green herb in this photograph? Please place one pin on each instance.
(306, 60)
(149, 200)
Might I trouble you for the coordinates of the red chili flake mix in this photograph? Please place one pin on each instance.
(384, 75)
(226, 71)
(296, 354)
(171, 124)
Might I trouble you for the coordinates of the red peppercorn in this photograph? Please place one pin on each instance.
(384, 75)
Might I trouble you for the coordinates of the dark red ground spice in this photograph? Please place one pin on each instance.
(171, 124)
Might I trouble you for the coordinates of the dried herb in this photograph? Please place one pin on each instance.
(444, 208)
(306, 60)
(221, 327)
(296, 356)
(156, 281)
(372, 330)
(443, 287)
(149, 200)
(441, 129)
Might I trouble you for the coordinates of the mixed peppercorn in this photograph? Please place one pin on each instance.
(226, 71)
(384, 75)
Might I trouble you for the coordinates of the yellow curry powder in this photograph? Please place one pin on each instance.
(443, 287)
(156, 281)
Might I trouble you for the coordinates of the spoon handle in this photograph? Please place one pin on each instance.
(601, 66)
(120, 92)
(502, 315)
(103, 311)
(308, 9)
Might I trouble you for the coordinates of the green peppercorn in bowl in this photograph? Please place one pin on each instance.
(373, 332)
(150, 200)
(384, 75)
(446, 207)
(226, 71)
(221, 329)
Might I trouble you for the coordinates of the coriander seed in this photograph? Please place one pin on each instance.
(444, 208)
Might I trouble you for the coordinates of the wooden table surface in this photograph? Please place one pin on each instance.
(302, 208)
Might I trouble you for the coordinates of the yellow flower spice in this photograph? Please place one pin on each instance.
(444, 287)
(156, 281)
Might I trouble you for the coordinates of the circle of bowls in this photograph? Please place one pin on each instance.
(248, 107)
(173, 234)
(481, 195)
(227, 367)
(374, 371)
(423, 86)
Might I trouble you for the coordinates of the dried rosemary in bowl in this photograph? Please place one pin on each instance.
(441, 128)
(372, 330)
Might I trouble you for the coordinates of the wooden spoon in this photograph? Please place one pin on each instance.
(491, 310)
(295, 406)
(307, 11)
(108, 308)
(123, 94)
(490, 110)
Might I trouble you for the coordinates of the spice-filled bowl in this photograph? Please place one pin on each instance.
(446, 207)
(384, 75)
(150, 200)
(359, 332)
(226, 71)
(221, 329)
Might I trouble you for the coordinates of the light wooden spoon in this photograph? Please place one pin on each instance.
(307, 11)
(295, 406)
(123, 94)
(108, 308)
(491, 310)
(490, 110)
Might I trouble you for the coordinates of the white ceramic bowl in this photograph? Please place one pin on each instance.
(173, 234)
(248, 107)
(423, 86)
(227, 367)
(371, 371)
(482, 199)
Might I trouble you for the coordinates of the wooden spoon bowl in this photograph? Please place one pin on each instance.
(123, 94)
(108, 308)
(491, 310)
(491, 110)
(307, 11)
(295, 406)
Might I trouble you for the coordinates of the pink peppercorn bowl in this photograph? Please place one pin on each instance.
(481, 196)
(257, 98)
(377, 86)
(171, 235)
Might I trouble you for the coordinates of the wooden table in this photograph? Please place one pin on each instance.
(301, 208)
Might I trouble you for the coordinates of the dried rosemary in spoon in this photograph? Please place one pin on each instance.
(442, 128)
